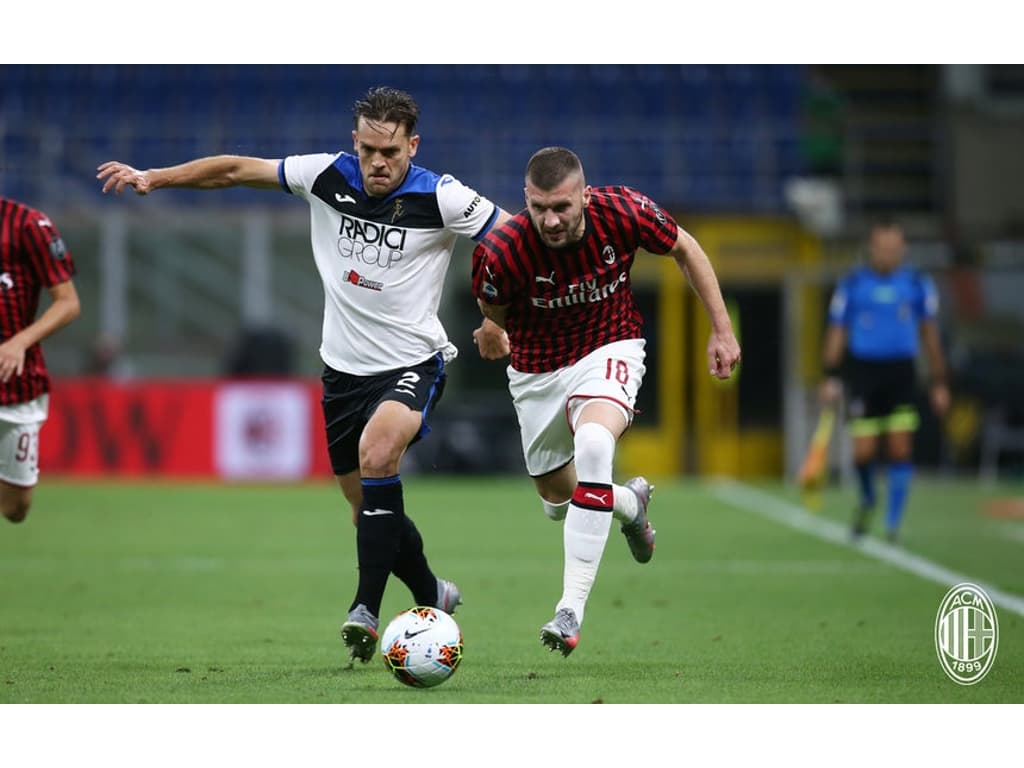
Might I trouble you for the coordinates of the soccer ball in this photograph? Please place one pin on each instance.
(422, 647)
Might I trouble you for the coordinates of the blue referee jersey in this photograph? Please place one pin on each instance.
(882, 313)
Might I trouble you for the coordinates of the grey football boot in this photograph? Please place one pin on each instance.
(562, 633)
(639, 533)
(448, 596)
(359, 633)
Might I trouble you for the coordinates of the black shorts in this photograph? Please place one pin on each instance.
(349, 402)
(878, 389)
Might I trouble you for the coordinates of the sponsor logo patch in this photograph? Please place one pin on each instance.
(353, 277)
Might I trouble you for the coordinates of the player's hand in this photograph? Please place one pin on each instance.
(830, 391)
(940, 398)
(12, 359)
(723, 354)
(117, 176)
(491, 340)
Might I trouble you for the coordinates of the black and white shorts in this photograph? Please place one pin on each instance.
(349, 402)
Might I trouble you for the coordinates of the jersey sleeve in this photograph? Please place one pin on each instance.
(45, 250)
(658, 231)
(297, 173)
(463, 210)
(490, 283)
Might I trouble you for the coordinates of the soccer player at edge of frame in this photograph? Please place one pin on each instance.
(33, 256)
(383, 232)
(557, 277)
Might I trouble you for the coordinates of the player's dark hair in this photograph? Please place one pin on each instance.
(550, 166)
(885, 221)
(387, 105)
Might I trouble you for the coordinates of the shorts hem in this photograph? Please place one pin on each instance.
(548, 472)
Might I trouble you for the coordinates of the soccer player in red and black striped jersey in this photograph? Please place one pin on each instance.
(32, 257)
(556, 277)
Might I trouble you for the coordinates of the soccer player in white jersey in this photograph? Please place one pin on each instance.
(383, 231)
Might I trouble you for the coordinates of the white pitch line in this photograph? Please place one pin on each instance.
(750, 499)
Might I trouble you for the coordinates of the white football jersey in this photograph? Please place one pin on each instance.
(382, 260)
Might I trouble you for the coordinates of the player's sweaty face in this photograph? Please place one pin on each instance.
(385, 151)
(557, 214)
(887, 247)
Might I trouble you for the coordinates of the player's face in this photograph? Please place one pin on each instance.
(557, 214)
(887, 247)
(385, 151)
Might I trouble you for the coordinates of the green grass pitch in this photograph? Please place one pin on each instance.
(146, 592)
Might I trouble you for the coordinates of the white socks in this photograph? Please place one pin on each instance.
(624, 511)
(589, 516)
(555, 511)
(626, 504)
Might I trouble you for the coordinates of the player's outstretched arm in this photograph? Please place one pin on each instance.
(502, 217)
(215, 172)
(723, 348)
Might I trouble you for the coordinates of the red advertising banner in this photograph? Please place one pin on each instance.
(190, 428)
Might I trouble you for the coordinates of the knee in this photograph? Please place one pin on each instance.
(864, 454)
(16, 511)
(378, 459)
(595, 450)
(900, 457)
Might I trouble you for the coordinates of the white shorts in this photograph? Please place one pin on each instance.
(548, 404)
(19, 441)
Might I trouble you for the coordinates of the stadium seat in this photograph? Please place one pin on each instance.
(481, 121)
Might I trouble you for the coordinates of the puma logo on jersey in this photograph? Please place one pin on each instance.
(600, 499)
(550, 279)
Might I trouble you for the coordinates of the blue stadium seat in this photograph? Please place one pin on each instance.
(667, 128)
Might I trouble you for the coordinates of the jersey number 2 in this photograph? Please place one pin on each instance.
(407, 383)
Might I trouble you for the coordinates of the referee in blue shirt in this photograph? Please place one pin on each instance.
(877, 316)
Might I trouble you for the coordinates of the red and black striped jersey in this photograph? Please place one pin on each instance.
(563, 303)
(32, 257)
